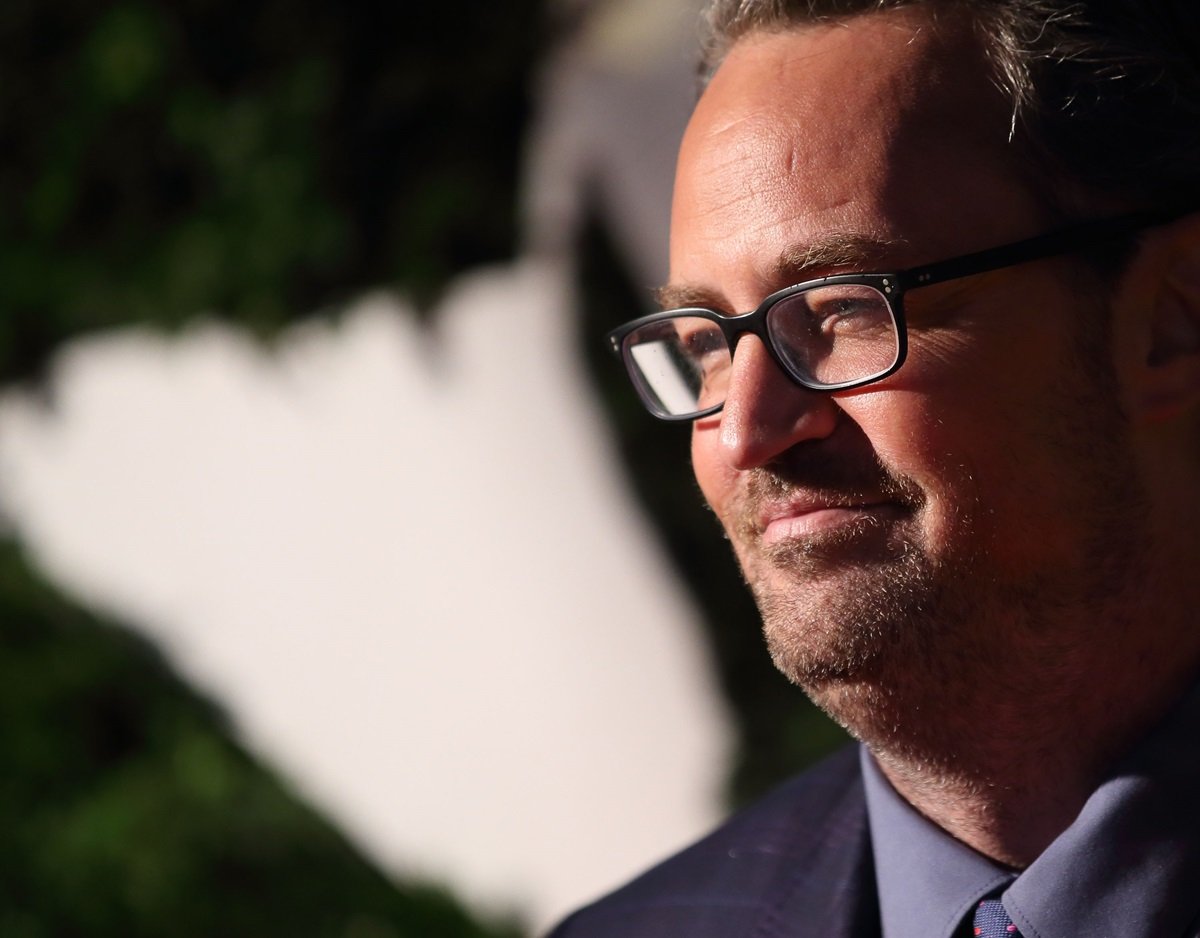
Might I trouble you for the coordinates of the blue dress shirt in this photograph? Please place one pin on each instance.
(1127, 867)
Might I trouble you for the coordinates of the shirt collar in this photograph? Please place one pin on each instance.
(1130, 862)
(927, 880)
(1128, 865)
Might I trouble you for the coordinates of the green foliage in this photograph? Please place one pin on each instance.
(251, 160)
(127, 810)
(780, 731)
(256, 161)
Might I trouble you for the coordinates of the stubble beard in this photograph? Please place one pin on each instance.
(841, 606)
(894, 639)
(823, 626)
(887, 645)
(896, 644)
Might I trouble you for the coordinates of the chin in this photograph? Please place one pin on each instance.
(870, 622)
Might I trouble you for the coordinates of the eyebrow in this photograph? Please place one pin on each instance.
(795, 264)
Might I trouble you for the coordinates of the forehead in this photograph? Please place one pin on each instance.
(885, 128)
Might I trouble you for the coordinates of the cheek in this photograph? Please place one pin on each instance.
(990, 431)
(974, 392)
(918, 437)
(716, 478)
(953, 419)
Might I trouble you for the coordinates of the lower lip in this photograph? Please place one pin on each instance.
(820, 521)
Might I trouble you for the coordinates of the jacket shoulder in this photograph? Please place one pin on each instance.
(745, 870)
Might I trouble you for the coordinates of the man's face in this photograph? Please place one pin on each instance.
(964, 506)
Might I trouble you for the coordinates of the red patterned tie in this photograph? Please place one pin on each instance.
(991, 921)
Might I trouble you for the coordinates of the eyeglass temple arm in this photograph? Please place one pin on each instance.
(1065, 241)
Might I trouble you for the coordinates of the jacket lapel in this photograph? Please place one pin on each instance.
(827, 888)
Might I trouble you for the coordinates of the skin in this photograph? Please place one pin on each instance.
(981, 566)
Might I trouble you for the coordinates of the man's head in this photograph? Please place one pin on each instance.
(1017, 493)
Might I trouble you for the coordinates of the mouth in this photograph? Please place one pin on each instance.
(822, 509)
(797, 521)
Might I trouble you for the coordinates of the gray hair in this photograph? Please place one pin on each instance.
(1105, 94)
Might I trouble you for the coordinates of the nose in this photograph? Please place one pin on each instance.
(766, 413)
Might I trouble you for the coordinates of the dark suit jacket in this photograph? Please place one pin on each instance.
(797, 864)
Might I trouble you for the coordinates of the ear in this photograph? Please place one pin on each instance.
(1163, 288)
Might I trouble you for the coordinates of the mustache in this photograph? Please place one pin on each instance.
(823, 478)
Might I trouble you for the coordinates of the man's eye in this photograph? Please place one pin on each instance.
(833, 311)
(702, 342)
(846, 313)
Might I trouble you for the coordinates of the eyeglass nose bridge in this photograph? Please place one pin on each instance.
(735, 328)
(743, 324)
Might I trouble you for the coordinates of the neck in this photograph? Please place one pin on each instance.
(1005, 779)
(999, 803)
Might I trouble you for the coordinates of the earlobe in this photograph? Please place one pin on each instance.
(1169, 383)
(1175, 327)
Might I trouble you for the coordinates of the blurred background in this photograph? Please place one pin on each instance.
(344, 587)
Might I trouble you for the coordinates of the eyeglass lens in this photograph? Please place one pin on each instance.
(825, 336)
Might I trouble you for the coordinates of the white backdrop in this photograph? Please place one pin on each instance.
(403, 559)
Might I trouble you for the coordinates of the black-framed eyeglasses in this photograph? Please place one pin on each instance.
(829, 334)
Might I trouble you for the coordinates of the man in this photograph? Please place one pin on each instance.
(956, 450)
